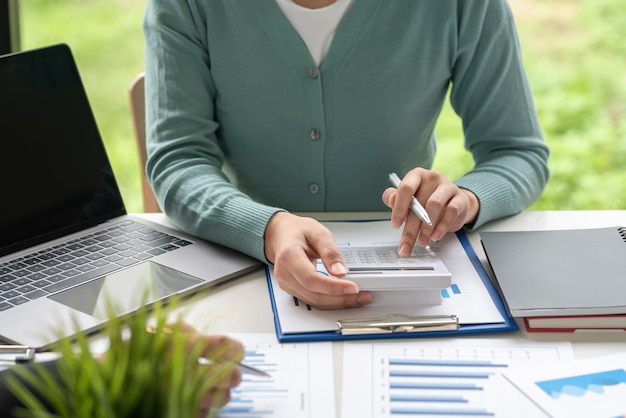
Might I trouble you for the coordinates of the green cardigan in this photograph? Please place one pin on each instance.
(242, 123)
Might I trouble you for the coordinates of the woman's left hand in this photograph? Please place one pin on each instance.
(225, 354)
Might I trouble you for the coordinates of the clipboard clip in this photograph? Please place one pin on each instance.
(15, 354)
(398, 323)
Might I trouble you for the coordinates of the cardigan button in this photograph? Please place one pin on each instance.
(313, 73)
(315, 134)
(314, 188)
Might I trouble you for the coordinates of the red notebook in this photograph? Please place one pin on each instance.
(575, 323)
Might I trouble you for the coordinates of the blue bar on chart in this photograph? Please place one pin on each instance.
(454, 289)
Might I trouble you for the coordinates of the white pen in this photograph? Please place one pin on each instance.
(244, 367)
(416, 207)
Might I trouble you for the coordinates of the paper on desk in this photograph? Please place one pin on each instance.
(594, 387)
(467, 298)
(301, 383)
(446, 377)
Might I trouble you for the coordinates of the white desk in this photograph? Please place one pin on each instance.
(242, 305)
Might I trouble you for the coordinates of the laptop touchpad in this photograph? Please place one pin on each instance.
(125, 291)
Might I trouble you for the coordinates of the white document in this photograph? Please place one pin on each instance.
(301, 383)
(446, 377)
(467, 297)
(594, 387)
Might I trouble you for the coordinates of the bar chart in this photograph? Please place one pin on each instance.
(445, 379)
(300, 384)
(418, 386)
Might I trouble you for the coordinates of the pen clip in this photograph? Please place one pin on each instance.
(16, 354)
(397, 323)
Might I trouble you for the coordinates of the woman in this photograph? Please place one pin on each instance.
(260, 108)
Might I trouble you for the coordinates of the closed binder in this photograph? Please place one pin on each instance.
(560, 272)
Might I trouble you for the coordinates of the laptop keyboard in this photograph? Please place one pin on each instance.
(79, 260)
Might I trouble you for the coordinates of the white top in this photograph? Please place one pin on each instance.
(316, 27)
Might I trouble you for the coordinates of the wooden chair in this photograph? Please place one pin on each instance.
(137, 107)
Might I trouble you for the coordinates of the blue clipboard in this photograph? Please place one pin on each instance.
(487, 328)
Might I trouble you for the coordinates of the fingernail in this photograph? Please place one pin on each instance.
(364, 298)
(437, 235)
(404, 250)
(339, 268)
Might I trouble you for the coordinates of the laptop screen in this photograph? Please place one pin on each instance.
(55, 177)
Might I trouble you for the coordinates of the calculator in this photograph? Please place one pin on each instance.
(380, 268)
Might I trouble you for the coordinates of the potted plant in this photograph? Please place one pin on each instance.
(142, 374)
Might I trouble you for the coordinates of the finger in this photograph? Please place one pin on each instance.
(437, 206)
(318, 282)
(326, 302)
(325, 292)
(323, 245)
(214, 347)
(334, 263)
(220, 347)
(410, 234)
(449, 208)
(222, 377)
(453, 218)
(235, 376)
(405, 192)
(296, 270)
(389, 196)
(216, 398)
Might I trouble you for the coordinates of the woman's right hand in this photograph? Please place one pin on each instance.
(294, 244)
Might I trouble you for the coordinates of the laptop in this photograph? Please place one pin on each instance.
(68, 248)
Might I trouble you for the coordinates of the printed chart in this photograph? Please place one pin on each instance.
(301, 382)
(446, 378)
(584, 388)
